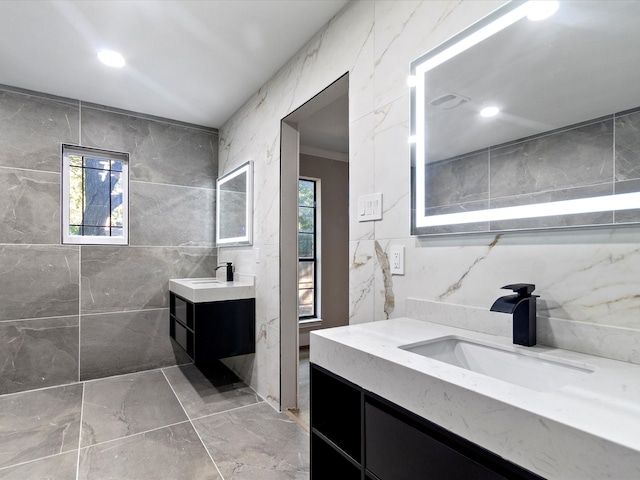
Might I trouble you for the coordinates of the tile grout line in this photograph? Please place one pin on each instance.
(80, 312)
(232, 409)
(80, 432)
(89, 380)
(26, 462)
(127, 437)
(192, 425)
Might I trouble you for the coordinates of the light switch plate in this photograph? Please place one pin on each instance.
(370, 207)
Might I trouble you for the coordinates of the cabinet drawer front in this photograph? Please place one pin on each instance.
(182, 335)
(182, 310)
(397, 451)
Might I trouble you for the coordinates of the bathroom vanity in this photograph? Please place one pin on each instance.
(355, 431)
(212, 319)
(389, 401)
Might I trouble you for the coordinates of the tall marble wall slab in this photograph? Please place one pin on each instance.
(79, 312)
(583, 277)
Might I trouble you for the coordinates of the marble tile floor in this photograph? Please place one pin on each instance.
(170, 423)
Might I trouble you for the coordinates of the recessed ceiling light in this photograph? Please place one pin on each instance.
(489, 112)
(541, 9)
(111, 58)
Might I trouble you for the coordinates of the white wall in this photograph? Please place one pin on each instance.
(585, 276)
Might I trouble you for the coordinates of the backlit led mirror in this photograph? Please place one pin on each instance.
(529, 119)
(234, 207)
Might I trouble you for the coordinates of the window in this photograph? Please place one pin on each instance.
(307, 248)
(95, 187)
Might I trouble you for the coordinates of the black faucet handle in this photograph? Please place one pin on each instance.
(522, 289)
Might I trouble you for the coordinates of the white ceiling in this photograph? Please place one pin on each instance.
(193, 61)
(327, 129)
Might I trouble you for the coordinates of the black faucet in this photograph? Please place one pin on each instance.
(229, 267)
(523, 307)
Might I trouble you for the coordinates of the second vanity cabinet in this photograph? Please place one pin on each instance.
(360, 435)
(208, 331)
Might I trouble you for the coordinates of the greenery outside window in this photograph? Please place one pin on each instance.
(307, 249)
(95, 192)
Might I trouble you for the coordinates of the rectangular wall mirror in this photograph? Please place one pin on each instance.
(529, 119)
(234, 207)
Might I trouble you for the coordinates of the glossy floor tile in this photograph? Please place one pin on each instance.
(172, 423)
(121, 406)
(255, 443)
(204, 392)
(174, 452)
(39, 424)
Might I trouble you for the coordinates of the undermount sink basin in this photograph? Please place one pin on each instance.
(503, 363)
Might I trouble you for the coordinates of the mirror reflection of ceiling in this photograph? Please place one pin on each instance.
(579, 64)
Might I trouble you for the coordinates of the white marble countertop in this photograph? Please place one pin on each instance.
(589, 429)
(212, 289)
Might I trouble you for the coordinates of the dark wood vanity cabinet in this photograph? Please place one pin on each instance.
(358, 435)
(210, 331)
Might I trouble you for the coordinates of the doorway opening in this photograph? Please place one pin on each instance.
(314, 234)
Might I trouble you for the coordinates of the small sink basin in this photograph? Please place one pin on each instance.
(211, 289)
(510, 365)
(204, 282)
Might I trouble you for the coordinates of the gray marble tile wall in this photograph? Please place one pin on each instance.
(586, 160)
(81, 312)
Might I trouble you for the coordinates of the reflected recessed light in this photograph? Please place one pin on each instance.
(489, 112)
(111, 58)
(541, 9)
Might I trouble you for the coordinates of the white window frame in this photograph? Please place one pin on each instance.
(67, 238)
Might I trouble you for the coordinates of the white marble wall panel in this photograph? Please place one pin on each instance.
(392, 168)
(361, 281)
(384, 299)
(582, 276)
(252, 368)
(608, 341)
(361, 77)
(361, 175)
(405, 30)
(273, 366)
(586, 276)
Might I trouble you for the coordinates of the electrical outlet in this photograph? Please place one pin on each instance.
(396, 259)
